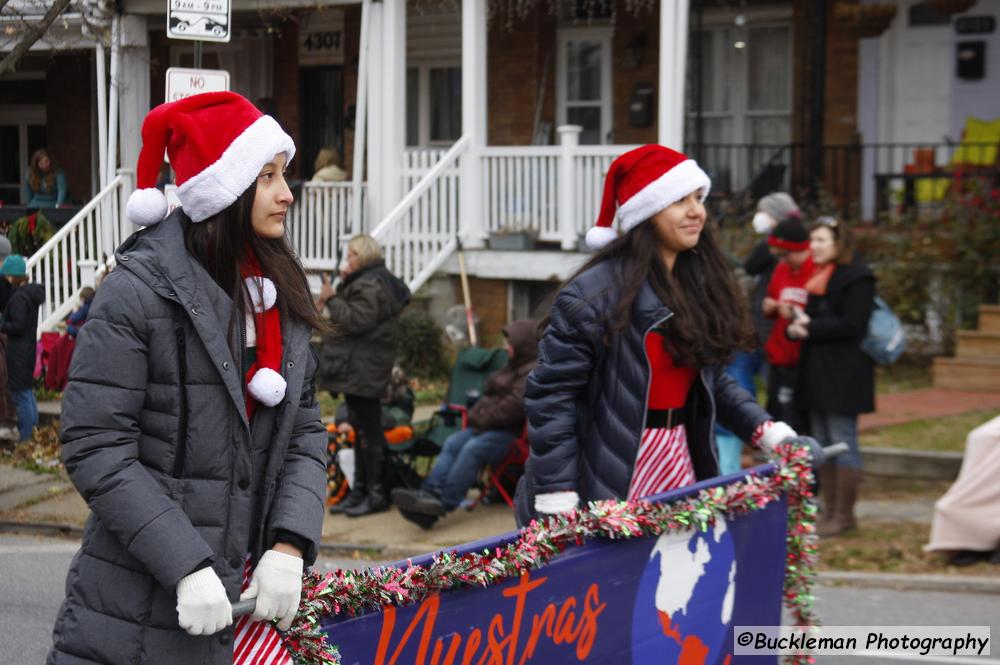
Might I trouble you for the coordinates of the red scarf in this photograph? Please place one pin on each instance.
(264, 382)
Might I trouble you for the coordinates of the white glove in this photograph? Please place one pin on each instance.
(202, 604)
(774, 433)
(277, 586)
(556, 503)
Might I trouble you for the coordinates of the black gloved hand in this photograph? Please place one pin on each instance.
(815, 450)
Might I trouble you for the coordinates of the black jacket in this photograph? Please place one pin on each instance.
(586, 399)
(357, 358)
(760, 265)
(835, 375)
(20, 324)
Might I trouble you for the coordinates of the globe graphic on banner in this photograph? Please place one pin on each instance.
(684, 603)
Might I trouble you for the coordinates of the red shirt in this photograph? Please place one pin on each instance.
(669, 385)
(787, 285)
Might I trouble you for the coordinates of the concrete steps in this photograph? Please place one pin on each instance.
(976, 365)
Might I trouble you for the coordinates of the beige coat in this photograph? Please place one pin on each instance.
(967, 517)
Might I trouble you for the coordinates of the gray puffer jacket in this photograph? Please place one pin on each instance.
(586, 399)
(155, 438)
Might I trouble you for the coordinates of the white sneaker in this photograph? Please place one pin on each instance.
(9, 434)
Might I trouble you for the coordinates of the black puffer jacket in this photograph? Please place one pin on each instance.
(586, 400)
(20, 324)
(155, 438)
(835, 375)
(357, 358)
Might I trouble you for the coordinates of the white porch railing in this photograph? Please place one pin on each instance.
(80, 252)
(419, 234)
(320, 222)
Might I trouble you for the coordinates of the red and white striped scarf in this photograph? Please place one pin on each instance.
(257, 642)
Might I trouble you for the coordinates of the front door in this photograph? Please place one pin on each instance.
(322, 114)
(583, 82)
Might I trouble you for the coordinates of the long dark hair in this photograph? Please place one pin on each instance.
(710, 318)
(35, 174)
(220, 244)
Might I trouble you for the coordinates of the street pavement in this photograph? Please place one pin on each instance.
(33, 571)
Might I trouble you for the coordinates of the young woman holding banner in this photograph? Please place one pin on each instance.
(190, 425)
(629, 382)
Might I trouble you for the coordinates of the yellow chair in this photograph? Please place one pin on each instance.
(979, 147)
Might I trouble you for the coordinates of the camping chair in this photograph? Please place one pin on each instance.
(496, 477)
(472, 366)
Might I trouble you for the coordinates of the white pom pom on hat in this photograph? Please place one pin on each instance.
(146, 207)
(263, 293)
(267, 387)
(641, 183)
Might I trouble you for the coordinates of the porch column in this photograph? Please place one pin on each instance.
(673, 66)
(473, 122)
(133, 86)
(386, 106)
(569, 141)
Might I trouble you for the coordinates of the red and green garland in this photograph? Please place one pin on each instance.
(353, 592)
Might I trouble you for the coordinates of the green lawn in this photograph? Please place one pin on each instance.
(942, 434)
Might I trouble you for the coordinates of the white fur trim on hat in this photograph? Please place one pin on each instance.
(670, 187)
(218, 185)
(267, 386)
(600, 236)
(554, 503)
(261, 287)
(146, 207)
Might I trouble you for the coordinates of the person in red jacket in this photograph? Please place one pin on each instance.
(786, 297)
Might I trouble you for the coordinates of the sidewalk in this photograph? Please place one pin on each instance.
(910, 405)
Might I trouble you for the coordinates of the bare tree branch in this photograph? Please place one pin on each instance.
(3, 3)
(34, 32)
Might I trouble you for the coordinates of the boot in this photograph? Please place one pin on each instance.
(848, 482)
(359, 490)
(827, 494)
(376, 500)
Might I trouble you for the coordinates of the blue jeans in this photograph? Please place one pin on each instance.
(463, 455)
(27, 411)
(830, 428)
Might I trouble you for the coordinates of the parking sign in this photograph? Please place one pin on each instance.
(207, 20)
(183, 82)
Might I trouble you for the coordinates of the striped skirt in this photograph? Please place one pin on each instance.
(663, 462)
(257, 642)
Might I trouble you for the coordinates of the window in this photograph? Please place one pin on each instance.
(584, 82)
(433, 104)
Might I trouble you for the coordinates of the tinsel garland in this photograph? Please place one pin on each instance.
(352, 593)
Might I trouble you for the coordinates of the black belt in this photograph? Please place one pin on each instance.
(663, 418)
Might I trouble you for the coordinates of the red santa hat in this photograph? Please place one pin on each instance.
(265, 384)
(641, 183)
(217, 143)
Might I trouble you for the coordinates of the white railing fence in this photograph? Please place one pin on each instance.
(419, 234)
(520, 186)
(80, 252)
(320, 222)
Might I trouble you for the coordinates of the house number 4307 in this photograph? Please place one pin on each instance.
(322, 41)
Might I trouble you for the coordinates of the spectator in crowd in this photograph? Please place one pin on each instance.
(327, 167)
(495, 420)
(966, 526)
(628, 386)
(836, 381)
(45, 185)
(771, 210)
(786, 296)
(357, 360)
(6, 288)
(79, 316)
(20, 325)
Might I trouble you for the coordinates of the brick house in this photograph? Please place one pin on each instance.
(472, 105)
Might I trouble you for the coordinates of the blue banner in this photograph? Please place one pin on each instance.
(672, 599)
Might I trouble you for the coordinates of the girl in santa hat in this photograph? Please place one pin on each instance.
(629, 384)
(190, 424)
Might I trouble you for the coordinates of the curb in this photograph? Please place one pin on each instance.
(894, 581)
(901, 582)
